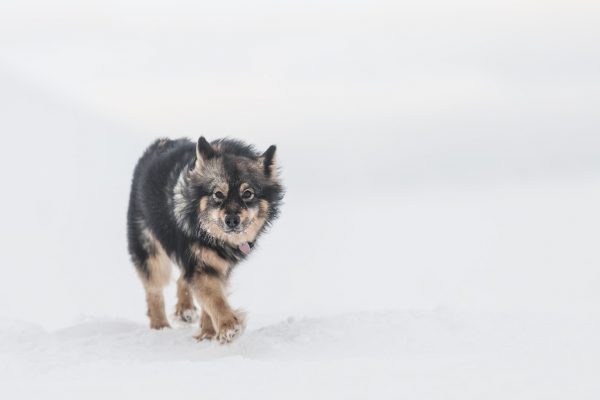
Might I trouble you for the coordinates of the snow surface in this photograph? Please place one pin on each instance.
(394, 354)
(439, 238)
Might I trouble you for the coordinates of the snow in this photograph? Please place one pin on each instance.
(439, 237)
(427, 354)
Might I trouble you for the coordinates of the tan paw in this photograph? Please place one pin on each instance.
(205, 335)
(159, 324)
(230, 329)
(207, 332)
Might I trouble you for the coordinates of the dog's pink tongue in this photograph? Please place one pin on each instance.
(245, 248)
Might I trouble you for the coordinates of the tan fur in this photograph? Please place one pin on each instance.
(210, 257)
(159, 267)
(185, 301)
(210, 292)
(244, 216)
(243, 187)
(273, 169)
(258, 220)
(203, 203)
(223, 187)
(263, 208)
(156, 309)
(221, 214)
(207, 331)
(216, 147)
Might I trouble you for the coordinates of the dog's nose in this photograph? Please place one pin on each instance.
(232, 220)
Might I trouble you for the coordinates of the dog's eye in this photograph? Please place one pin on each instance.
(218, 195)
(247, 195)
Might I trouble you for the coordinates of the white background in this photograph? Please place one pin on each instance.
(442, 166)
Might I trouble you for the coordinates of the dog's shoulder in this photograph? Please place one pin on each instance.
(160, 161)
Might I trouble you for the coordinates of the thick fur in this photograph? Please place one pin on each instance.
(202, 206)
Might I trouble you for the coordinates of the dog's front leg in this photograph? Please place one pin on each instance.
(226, 323)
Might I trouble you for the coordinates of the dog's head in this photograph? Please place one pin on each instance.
(232, 191)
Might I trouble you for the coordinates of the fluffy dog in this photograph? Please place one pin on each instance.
(202, 206)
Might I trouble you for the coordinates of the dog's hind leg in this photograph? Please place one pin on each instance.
(154, 269)
(155, 299)
(185, 308)
(159, 268)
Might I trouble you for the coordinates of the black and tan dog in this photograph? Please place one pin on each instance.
(201, 206)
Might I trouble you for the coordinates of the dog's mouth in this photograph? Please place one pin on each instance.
(246, 247)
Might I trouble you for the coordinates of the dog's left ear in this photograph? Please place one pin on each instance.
(267, 160)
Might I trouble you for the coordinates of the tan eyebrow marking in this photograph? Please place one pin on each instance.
(244, 186)
(222, 187)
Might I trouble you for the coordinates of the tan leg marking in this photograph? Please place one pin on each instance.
(159, 274)
(185, 308)
(211, 294)
(207, 331)
(156, 309)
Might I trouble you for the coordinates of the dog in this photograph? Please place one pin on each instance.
(201, 206)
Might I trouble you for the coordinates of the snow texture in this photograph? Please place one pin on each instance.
(433, 354)
(439, 238)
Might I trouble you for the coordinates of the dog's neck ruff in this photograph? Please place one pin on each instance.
(181, 202)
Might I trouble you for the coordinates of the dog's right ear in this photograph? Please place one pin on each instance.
(267, 161)
(204, 152)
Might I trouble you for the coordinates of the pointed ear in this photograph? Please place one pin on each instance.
(267, 160)
(204, 152)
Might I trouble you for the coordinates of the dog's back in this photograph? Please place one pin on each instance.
(154, 177)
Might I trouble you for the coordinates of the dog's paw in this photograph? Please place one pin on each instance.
(205, 335)
(229, 332)
(159, 325)
(189, 315)
(231, 328)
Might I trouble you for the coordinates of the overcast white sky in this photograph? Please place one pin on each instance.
(420, 85)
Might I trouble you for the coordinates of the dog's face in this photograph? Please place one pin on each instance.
(237, 191)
